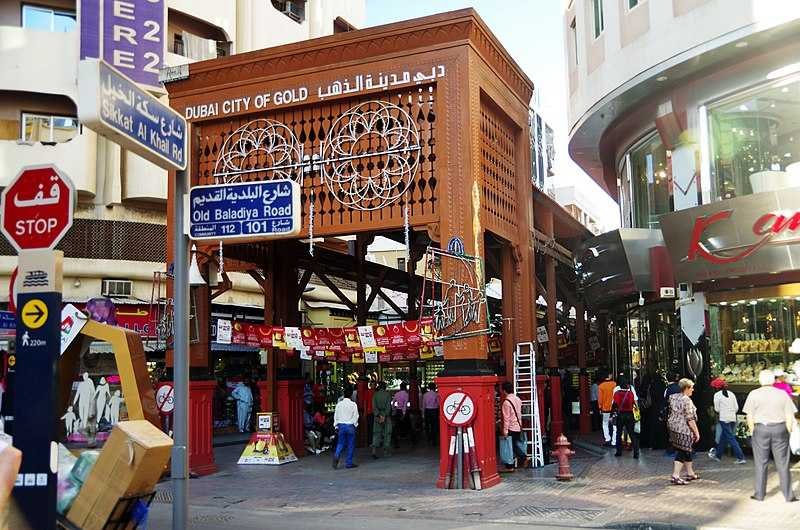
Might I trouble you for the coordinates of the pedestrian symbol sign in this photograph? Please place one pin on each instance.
(34, 314)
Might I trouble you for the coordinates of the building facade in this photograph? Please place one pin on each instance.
(121, 197)
(688, 113)
(575, 201)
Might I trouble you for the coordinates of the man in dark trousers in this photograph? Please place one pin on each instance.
(381, 421)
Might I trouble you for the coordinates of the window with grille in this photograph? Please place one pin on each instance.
(117, 288)
(599, 22)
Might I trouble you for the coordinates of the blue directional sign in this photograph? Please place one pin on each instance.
(249, 210)
(115, 107)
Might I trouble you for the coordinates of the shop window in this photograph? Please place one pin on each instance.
(750, 335)
(649, 174)
(599, 22)
(294, 9)
(633, 3)
(48, 19)
(755, 141)
(401, 264)
(47, 128)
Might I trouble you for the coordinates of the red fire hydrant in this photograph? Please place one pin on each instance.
(563, 452)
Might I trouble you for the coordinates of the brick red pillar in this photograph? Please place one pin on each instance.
(585, 421)
(364, 405)
(264, 388)
(201, 427)
(290, 413)
(482, 391)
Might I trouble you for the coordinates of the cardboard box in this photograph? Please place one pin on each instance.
(130, 463)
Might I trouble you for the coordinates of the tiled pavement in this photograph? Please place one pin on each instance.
(608, 492)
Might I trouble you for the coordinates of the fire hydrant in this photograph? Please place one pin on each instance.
(563, 452)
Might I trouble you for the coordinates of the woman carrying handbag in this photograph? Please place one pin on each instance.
(512, 430)
(624, 404)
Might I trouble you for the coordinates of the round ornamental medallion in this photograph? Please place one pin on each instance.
(260, 146)
(371, 155)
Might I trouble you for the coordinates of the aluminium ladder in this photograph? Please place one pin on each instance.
(525, 389)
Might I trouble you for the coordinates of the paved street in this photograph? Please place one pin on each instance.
(608, 492)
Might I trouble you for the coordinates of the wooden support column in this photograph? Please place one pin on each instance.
(585, 421)
(556, 412)
(510, 326)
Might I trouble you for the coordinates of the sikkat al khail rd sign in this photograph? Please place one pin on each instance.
(754, 234)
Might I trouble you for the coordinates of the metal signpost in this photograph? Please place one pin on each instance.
(115, 107)
(129, 35)
(37, 211)
(244, 210)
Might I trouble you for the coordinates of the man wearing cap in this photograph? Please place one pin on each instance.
(770, 416)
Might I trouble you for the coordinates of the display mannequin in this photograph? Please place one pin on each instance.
(70, 419)
(84, 396)
(114, 406)
(103, 394)
(244, 404)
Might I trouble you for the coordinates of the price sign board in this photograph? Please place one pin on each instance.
(248, 210)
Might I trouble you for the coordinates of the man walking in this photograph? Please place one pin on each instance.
(593, 396)
(430, 404)
(605, 400)
(345, 420)
(381, 421)
(511, 411)
(770, 416)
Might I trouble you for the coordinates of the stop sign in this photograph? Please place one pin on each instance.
(37, 207)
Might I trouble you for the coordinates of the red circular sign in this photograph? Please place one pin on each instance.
(37, 207)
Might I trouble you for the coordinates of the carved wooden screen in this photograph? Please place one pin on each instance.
(310, 129)
(498, 153)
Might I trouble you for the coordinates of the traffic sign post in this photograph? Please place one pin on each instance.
(38, 340)
(37, 209)
(245, 210)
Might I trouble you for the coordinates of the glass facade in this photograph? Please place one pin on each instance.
(648, 174)
(755, 141)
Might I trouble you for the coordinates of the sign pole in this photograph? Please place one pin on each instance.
(180, 292)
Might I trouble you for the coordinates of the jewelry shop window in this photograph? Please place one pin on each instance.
(755, 141)
(647, 173)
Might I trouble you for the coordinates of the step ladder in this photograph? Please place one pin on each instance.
(525, 389)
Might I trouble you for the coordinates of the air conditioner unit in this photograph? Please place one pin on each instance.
(117, 288)
(295, 9)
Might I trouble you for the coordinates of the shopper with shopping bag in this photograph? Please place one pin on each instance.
(511, 411)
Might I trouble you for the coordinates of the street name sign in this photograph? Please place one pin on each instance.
(115, 107)
(249, 210)
(37, 207)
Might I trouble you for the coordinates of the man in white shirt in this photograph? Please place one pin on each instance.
(770, 416)
(345, 420)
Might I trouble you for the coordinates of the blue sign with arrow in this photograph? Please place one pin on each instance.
(248, 210)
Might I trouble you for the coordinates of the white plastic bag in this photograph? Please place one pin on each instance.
(794, 439)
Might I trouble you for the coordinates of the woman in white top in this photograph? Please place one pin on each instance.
(726, 406)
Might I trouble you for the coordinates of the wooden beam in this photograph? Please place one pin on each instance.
(392, 304)
(304, 281)
(339, 294)
(226, 286)
(543, 239)
(375, 288)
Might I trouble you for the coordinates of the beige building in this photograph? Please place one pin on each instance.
(579, 205)
(119, 231)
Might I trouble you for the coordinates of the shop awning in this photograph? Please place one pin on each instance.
(233, 348)
(617, 264)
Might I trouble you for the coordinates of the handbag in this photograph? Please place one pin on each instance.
(522, 443)
(506, 450)
(794, 439)
(637, 414)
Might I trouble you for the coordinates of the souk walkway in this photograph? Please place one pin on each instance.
(398, 493)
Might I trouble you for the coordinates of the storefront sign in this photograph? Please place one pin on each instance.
(72, 322)
(358, 84)
(541, 334)
(224, 331)
(115, 107)
(128, 35)
(244, 211)
(754, 234)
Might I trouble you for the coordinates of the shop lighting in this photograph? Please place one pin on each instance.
(772, 105)
(742, 44)
(784, 70)
(787, 155)
(753, 302)
(773, 300)
(661, 78)
(743, 108)
(785, 89)
(723, 303)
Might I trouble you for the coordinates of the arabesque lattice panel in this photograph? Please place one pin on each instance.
(301, 142)
(498, 152)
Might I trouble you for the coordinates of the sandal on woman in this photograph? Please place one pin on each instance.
(677, 481)
(690, 478)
